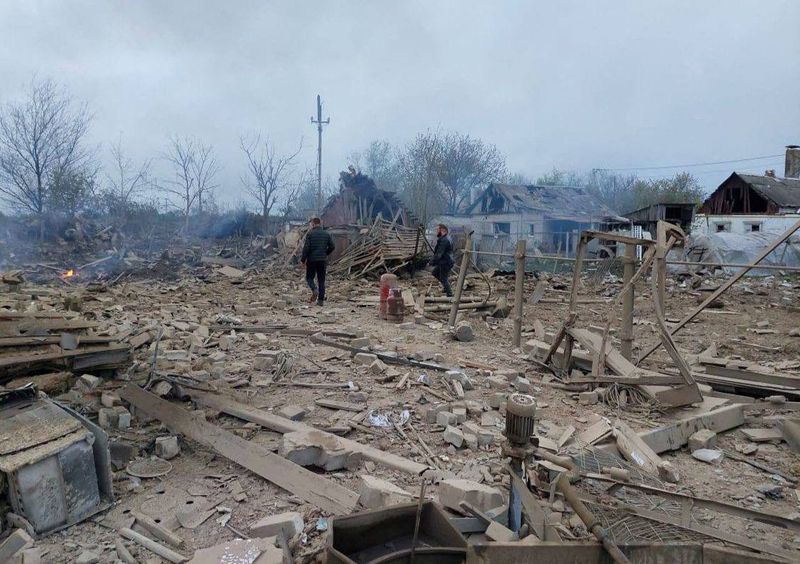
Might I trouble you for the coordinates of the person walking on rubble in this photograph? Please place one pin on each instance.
(442, 260)
(317, 247)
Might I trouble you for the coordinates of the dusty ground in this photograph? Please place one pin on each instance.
(200, 477)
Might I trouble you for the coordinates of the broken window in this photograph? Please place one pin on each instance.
(531, 229)
(753, 227)
(723, 227)
(502, 228)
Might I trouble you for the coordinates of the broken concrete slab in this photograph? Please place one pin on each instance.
(446, 418)
(765, 435)
(14, 543)
(364, 359)
(704, 438)
(250, 551)
(498, 533)
(375, 493)
(316, 448)
(291, 523)
(293, 412)
(709, 456)
(483, 435)
(453, 491)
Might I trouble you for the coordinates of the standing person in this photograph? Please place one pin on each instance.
(318, 245)
(442, 260)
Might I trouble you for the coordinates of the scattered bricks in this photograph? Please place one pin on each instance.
(123, 418)
(484, 436)
(473, 407)
(291, 523)
(453, 436)
(470, 441)
(167, 447)
(709, 456)
(175, 355)
(460, 413)
(293, 412)
(263, 363)
(497, 400)
(762, 324)
(453, 492)
(377, 367)
(364, 359)
(360, 342)
(446, 418)
(497, 382)
(375, 493)
(431, 411)
(162, 388)
(491, 419)
(357, 397)
(588, 398)
(107, 418)
(523, 385)
(668, 473)
(313, 448)
(704, 438)
(463, 332)
(269, 353)
(109, 399)
(89, 382)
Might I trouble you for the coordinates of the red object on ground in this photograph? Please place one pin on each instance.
(395, 306)
(388, 281)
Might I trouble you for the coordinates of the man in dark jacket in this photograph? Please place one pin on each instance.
(317, 247)
(442, 260)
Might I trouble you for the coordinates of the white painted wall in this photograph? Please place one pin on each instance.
(742, 224)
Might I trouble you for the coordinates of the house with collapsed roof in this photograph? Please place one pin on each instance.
(749, 203)
(549, 218)
(745, 214)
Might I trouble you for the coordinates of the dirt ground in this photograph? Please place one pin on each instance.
(201, 478)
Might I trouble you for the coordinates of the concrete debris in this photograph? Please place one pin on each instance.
(453, 491)
(454, 436)
(167, 447)
(375, 493)
(293, 412)
(290, 524)
(244, 551)
(710, 456)
(704, 438)
(312, 448)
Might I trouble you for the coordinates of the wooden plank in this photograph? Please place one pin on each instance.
(283, 425)
(6, 342)
(317, 490)
(13, 360)
(724, 287)
(21, 327)
(343, 405)
(387, 358)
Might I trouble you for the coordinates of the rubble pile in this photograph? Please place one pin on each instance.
(248, 424)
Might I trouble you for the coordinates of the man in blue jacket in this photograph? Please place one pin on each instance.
(317, 247)
(442, 260)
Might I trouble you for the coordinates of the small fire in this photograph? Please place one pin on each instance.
(68, 274)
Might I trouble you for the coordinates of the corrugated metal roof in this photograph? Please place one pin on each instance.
(785, 192)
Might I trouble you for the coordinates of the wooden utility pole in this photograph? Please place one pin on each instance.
(628, 268)
(320, 122)
(519, 282)
(462, 274)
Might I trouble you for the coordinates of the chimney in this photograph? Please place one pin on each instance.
(792, 161)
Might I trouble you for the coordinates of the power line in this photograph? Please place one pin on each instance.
(691, 164)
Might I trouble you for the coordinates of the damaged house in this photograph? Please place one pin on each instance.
(549, 218)
(744, 214)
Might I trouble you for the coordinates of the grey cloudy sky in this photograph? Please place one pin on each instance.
(568, 84)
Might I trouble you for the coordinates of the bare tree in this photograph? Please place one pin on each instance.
(419, 167)
(467, 164)
(41, 141)
(181, 156)
(204, 170)
(125, 181)
(379, 161)
(270, 174)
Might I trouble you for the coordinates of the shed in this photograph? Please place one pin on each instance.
(754, 194)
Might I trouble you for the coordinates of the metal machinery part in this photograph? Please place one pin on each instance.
(520, 414)
(520, 445)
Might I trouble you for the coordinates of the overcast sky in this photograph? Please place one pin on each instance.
(568, 84)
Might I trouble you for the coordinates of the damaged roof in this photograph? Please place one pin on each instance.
(785, 192)
(566, 202)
